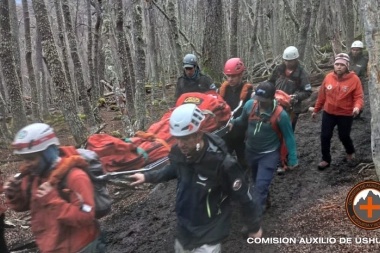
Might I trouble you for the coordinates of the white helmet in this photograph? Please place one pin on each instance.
(185, 120)
(290, 53)
(357, 43)
(34, 138)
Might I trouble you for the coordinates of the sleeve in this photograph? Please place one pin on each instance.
(242, 120)
(288, 135)
(358, 95)
(81, 194)
(321, 98)
(178, 90)
(304, 90)
(20, 202)
(166, 173)
(238, 188)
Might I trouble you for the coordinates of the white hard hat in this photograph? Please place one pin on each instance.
(185, 120)
(357, 43)
(290, 53)
(34, 138)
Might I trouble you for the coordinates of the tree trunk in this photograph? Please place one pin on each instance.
(15, 39)
(95, 93)
(139, 42)
(5, 134)
(28, 58)
(123, 47)
(56, 70)
(371, 16)
(213, 50)
(303, 32)
(63, 45)
(78, 69)
(234, 29)
(350, 24)
(174, 34)
(98, 68)
(9, 69)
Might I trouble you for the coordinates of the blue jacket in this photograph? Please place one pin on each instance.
(262, 138)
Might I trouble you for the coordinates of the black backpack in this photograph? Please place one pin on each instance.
(102, 198)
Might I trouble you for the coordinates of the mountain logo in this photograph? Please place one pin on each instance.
(363, 205)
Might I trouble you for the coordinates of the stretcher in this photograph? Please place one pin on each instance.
(118, 175)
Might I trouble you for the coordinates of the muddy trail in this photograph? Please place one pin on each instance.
(305, 202)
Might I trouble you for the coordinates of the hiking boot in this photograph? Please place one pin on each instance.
(281, 171)
(323, 165)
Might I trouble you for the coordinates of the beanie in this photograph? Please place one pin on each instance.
(343, 59)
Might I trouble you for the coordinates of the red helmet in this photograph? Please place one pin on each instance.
(234, 66)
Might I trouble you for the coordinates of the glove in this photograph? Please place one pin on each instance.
(12, 188)
(293, 99)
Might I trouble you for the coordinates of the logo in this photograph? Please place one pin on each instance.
(329, 87)
(363, 205)
(22, 134)
(192, 100)
(237, 184)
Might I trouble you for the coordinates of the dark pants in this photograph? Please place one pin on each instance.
(344, 124)
(235, 142)
(294, 119)
(3, 245)
(263, 167)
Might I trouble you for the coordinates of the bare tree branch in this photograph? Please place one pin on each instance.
(291, 14)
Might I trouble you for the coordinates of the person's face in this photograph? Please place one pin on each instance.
(31, 160)
(290, 64)
(189, 71)
(355, 51)
(187, 144)
(340, 68)
(234, 80)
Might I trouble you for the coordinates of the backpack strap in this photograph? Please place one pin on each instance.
(274, 118)
(244, 91)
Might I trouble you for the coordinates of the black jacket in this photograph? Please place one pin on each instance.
(199, 83)
(359, 65)
(297, 84)
(203, 193)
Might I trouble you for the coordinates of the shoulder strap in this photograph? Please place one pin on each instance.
(222, 89)
(274, 119)
(244, 91)
(252, 115)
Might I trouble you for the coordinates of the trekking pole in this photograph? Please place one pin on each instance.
(130, 172)
(226, 128)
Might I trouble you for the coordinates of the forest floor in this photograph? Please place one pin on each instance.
(306, 202)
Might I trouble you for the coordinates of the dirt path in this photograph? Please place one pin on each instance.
(305, 203)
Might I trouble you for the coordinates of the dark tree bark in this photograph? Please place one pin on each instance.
(57, 73)
(29, 63)
(95, 92)
(15, 39)
(350, 24)
(9, 69)
(123, 46)
(98, 55)
(64, 49)
(234, 29)
(174, 35)
(139, 42)
(78, 69)
(43, 86)
(214, 46)
(303, 32)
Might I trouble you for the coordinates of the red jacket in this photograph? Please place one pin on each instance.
(57, 225)
(339, 96)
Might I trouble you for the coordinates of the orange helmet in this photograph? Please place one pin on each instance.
(234, 66)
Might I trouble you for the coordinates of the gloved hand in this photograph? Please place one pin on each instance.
(293, 99)
(12, 187)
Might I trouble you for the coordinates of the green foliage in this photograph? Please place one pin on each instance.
(326, 48)
(82, 117)
(55, 119)
(101, 102)
(116, 134)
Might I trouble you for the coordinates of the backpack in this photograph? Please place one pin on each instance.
(273, 120)
(102, 198)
